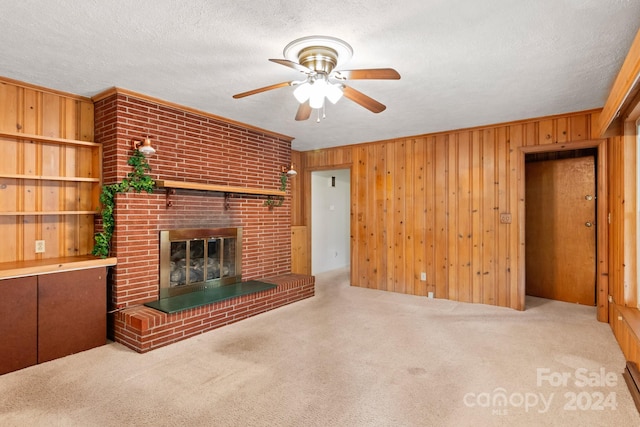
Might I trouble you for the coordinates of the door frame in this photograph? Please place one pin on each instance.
(602, 231)
(306, 189)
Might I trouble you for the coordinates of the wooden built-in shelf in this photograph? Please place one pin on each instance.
(49, 177)
(25, 213)
(50, 139)
(219, 188)
(50, 180)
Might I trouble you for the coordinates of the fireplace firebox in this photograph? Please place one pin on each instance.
(195, 259)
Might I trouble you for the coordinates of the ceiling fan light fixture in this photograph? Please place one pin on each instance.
(317, 57)
(316, 91)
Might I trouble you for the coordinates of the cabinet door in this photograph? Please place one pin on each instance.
(72, 312)
(18, 323)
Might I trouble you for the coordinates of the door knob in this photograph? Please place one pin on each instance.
(588, 224)
(588, 197)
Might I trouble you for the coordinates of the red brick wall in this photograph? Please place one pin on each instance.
(196, 148)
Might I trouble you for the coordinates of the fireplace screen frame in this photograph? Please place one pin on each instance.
(205, 235)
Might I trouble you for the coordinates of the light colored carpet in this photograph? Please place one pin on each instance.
(347, 357)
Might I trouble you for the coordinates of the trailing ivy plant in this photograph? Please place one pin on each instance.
(280, 200)
(137, 180)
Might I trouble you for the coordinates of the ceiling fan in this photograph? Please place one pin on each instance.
(318, 57)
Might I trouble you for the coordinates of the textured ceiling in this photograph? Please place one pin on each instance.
(463, 62)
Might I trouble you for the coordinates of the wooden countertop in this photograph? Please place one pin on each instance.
(9, 270)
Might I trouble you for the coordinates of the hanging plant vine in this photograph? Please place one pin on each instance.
(137, 180)
(280, 200)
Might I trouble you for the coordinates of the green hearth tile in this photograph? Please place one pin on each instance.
(208, 296)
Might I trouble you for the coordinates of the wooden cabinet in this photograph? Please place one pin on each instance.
(18, 323)
(48, 316)
(72, 312)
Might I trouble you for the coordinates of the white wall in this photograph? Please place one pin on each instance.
(330, 220)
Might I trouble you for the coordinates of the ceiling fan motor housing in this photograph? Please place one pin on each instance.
(321, 59)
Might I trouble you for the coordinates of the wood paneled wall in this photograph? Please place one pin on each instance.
(622, 227)
(300, 262)
(433, 203)
(50, 172)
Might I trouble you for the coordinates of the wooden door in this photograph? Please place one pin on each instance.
(560, 230)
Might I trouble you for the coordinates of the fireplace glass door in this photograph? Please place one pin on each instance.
(195, 259)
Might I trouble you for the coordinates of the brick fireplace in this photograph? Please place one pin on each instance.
(195, 147)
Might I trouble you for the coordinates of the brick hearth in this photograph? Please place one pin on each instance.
(143, 329)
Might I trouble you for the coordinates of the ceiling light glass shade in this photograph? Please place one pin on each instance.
(302, 92)
(333, 93)
(318, 89)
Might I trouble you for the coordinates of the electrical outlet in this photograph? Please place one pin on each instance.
(505, 218)
(430, 295)
(423, 276)
(39, 246)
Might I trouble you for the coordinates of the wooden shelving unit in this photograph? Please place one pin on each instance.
(49, 186)
(54, 301)
(72, 167)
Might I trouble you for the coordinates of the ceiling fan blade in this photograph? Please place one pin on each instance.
(262, 89)
(371, 73)
(304, 111)
(293, 65)
(363, 100)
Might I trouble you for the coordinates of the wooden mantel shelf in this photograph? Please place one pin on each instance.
(219, 188)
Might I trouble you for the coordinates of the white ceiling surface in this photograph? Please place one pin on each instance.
(463, 63)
